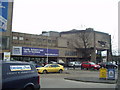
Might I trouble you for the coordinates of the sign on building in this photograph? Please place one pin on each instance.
(39, 51)
(17, 50)
(3, 15)
(6, 56)
(34, 51)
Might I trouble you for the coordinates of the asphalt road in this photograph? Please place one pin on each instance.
(56, 80)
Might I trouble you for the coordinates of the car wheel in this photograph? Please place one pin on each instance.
(92, 68)
(39, 73)
(82, 67)
(29, 88)
(44, 71)
(60, 71)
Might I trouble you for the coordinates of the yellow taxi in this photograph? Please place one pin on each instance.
(51, 68)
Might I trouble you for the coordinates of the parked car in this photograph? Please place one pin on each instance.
(74, 63)
(19, 76)
(108, 65)
(52, 62)
(35, 64)
(51, 68)
(90, 65)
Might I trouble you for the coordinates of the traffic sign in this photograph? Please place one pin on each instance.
(103, 73)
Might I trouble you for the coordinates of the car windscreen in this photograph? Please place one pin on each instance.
(47, 65)
(92, 63)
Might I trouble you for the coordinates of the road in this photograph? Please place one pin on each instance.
(56, 80)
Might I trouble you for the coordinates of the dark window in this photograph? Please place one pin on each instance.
(54, 65)
(49, 41)
(4, 42)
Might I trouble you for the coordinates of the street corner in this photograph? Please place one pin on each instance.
(91, 79)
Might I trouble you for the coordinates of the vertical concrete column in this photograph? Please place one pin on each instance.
(93, 53)
(93, 56)
(108, 55)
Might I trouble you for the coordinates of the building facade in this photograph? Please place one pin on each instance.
(5, 27)
(64, 46)
(89, 43)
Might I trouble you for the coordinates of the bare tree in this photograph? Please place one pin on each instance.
(82, 42)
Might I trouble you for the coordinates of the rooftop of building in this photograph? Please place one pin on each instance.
(66, 32)
(77, 31)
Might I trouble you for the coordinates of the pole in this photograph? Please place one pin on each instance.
(118, 78)
(47, 48)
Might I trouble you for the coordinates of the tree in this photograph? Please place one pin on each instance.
(82, 42)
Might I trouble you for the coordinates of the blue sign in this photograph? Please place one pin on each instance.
(3, 15)
(39, 51)
(111, 74)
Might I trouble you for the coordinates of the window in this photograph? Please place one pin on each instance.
(49, 41)
(44, 40)
(47, 65)
(54, 41)
(15, 37)
(67, 43)
(70, 53)
(54, 66)
(4, 42)
(21, 38)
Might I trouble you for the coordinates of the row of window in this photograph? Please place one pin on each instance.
(40, 40)
(16, 38)
(70, 53)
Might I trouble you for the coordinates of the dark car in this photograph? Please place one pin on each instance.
(90, 65)
(19, 76)
(108, 65)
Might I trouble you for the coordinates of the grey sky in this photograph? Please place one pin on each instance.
(62, 15)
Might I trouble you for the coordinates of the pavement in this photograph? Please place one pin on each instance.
(87, 76)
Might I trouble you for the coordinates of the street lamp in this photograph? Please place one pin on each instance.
(47, 49)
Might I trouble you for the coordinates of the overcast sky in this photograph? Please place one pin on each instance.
(35, 16)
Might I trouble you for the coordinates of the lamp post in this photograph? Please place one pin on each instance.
(118, 78)
(47, 49)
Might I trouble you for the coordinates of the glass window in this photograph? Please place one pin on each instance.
(47, 65)
(92, 63)
(15, 37)
(57, 66)
(21, 38)
(49, 41)
(86, 63)
(54, 65)
(44, 40)
(4, 42)
(54, 41)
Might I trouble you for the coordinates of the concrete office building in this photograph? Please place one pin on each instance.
(55, 46)
(39, 48)
(93, 41)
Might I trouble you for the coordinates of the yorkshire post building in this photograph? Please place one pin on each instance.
(30, 47)
(60, 46)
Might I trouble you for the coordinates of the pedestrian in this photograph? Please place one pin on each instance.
(74, 66)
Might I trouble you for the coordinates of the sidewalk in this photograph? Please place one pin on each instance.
(87, 76)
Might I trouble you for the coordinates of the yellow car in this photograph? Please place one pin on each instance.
(51, 68)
